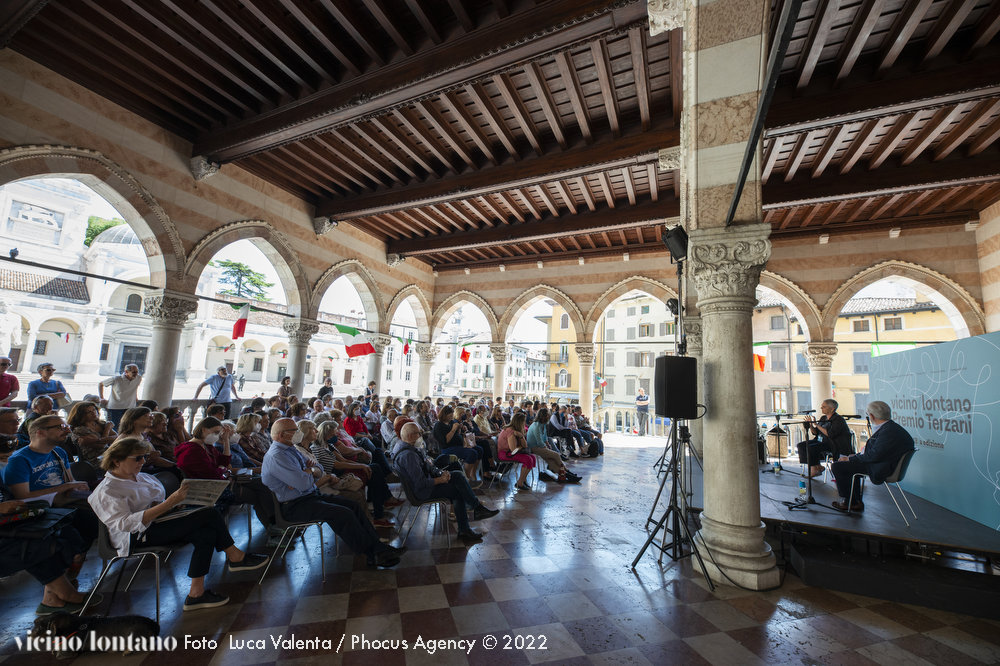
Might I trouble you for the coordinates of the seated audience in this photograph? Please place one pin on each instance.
(89, 434)
(448, 435)
(287, 475)
(40, 406)
(249, 427)
(426, 481)
(889, 442)
(136, 422)
(537, 439)
(583, 423)
(512, 439)
(130, 502)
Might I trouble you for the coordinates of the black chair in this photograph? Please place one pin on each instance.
(289, 529)
(895, 478)
(411, 498)
(84, 471)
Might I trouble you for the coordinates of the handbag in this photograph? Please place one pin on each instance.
(41, 527)
(349, 482)
(211, 401)
(470, 440)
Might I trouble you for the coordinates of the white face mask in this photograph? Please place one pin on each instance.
(419, 443)
(256, 427)
(235, 439)
(211, 438)
(297, 437)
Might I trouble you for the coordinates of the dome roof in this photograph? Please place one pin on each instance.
(120, 234)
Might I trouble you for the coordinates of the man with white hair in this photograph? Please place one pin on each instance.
(889, 442)
(223, 390)
(124, 393)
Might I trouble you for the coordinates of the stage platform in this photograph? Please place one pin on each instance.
(935, 526)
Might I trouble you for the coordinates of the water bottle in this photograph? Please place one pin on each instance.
(777, 467)
(802, 487)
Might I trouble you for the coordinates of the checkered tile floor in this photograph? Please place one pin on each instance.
(553, 574)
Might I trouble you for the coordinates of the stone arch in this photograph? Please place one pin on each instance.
(652, 287)
(160, 240)
(422, 313)
(363, 281)
(268, 240)
(453, 302)
(526, 297)
(959, 305)
(799, 302)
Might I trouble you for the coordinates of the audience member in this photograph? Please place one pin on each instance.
(223, 391)
(9, 386)
(46, 385)
(124, 392)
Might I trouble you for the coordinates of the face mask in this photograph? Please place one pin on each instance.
(235, 439)
(419, 443)
(297, 437)
(211, 438)
(256, 427)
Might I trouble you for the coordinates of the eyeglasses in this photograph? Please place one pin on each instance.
(142, 458)
(60, 426)
(4, 365)
(48, 369)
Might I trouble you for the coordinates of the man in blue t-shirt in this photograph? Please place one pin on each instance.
(221, 386)
(46, 385)
(642, 410)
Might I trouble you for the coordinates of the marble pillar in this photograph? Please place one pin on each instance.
(725, 266)
(169, 311)
(88, 367)
(499, 352)
(692, 328)
(28, 359)
(427, 352)
(820, 356)
(379, 342)
(300, 332)
(585, 354)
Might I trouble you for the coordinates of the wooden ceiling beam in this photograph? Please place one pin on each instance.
(902, 31)
(357, 27)
(824, 106)
(508, 200)
(676, 74)
(985, 138)
(588, 195)
(438, 122)
(607, 153)
(629, 184)
(826, 11)
(937, 124)
(599, 52)
(640, 72)
(332, 142)
(646, 248)
(339, 165)
(795, 157)
(516, 107)
(774, 147)
(609, 192)
(860, 144)
(886, 205)
(375, 158)
(266, 12)
(567, 197)
(861, 30)
(946, 26)
(529, 203)
(521, 38)
(919, 175)
(891, 140)
(482, 102)
(425, 21)
(968, 195)
(644, 214)
(409, 120)
(477, 211)
(828, 150)
(14, 15)
(547, 199)
(864, 226)
(654, 187)
(457, 109)
(954, 138)
(462, 14)
(568, 73)
(383, 148)
(383, 15)
(537, 80)
(397, 138)
(986, 29)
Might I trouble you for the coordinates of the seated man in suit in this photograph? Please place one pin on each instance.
(889, 442)
(830, 435)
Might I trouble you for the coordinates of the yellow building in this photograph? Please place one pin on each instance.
(563, 366)
(891, 323)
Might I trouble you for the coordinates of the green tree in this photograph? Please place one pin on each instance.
(242, 280)
(95, 225)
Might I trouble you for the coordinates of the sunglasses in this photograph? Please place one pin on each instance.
(142, 458)
(4, 365)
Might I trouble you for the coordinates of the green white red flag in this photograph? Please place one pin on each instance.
(356, 343)
(240, 327)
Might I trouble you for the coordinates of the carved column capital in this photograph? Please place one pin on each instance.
(499, 351)
(427, 352)
(669, 158)
(725, 265)
(692, 329)
(300, 331)
(665, 15)
(169, 308)
(201, 168)
(820, 354)
(380, 342)
(394, 259)
(322, 225)
(585, 353)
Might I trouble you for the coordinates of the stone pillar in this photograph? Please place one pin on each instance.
(300, 332)
(169, 311)
(692, 328)
(379, 342)
(89, 364)
(427, 353)
(725, 266)
(29, 353)
(820, 356)
(499, 352)
(197, 353)
(237, 348)
(585, 354)
(318, 376)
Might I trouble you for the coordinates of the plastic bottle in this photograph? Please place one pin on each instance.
(802, 487)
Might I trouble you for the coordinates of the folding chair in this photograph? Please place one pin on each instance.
(411, 498)
(288, 529)
(895, 478)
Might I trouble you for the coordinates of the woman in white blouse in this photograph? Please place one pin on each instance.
(129, 503)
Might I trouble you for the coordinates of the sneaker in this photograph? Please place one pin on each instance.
(396, 550)
(481, 513)
(386, 558)
(573, 454)
(249, 562)
(208, 600)
(471, 536)
(523, 487)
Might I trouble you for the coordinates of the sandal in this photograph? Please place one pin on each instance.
(521, 486)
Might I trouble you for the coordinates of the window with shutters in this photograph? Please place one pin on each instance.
(133, 303)
(801, 365)
(104, 351)
(893, 324)
(777, 322)
(645, 330)
(610, 388)
(611, 314)
(644, 385)
(804, 399)
(630, 312)
(564, 321)
(646, 359)
(258, 365)
(862, 360)
(630, 333)
(347, 376)
(609, 335)
(388, 375)
(779, 358)
(609, 359)
(630, 386)
(388, 354)
(860, 325)
(644, 309)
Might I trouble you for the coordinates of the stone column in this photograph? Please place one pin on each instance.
(197, 353)
(29, 353)
(300, 332)
(499, 352)
(725, 266)
(820, 356)
(318, 375)
(427, 353)
(585, 354)
(169, 311)
(692, 328)
(89, 364)
(379, 342)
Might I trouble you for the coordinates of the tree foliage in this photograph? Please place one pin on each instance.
(242, 281)
(95, 225)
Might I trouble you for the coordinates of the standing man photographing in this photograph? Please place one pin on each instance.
(124, 393)
(221, 385)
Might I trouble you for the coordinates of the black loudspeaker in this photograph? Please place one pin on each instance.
(676, 240)
(675, 387)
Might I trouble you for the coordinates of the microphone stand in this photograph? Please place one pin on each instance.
(799, 503)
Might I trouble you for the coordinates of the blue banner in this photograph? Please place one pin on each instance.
(948, 397)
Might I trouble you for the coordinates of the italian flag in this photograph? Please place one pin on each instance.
(759, 349)
(602, 381)
(240, 327)
(355, 341)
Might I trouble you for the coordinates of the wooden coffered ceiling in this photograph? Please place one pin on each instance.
(481, 132)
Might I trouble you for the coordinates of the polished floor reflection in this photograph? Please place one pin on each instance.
(552, 574)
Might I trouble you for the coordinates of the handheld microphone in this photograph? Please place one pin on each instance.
(807, 411)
